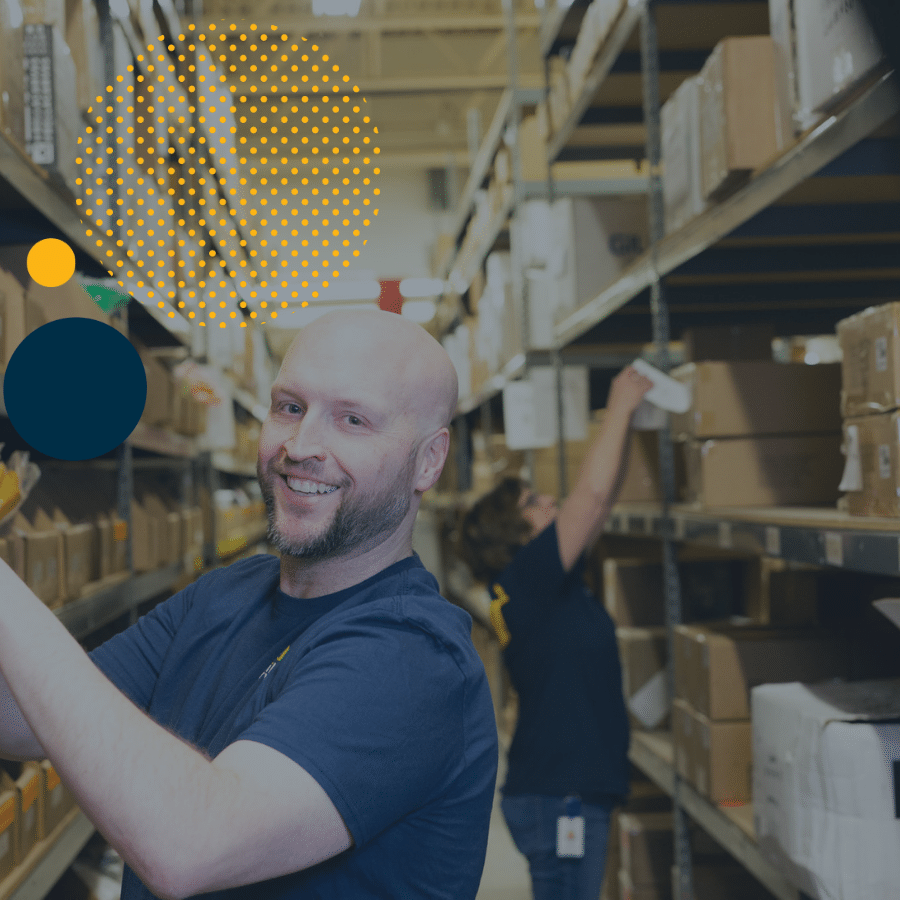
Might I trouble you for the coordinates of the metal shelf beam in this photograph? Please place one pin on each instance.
(81, 617)
(643, 753)
(822, 145)
(51, 858)
(816, 536)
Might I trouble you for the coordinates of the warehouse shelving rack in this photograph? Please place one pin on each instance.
(799, 199)
(51, 212)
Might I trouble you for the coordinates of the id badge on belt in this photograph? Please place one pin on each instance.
(570, 831)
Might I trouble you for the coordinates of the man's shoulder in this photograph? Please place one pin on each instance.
(250, 574)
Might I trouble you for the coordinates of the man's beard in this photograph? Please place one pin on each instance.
(355, 521)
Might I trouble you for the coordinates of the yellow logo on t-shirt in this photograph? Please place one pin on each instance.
(501, 598)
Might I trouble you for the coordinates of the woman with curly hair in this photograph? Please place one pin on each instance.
(568, 762)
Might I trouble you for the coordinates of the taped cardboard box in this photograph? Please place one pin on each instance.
(758, 397)
(872, 449)
(870, 367)
(739, 113)
(24, 780)
(716, 666)
(825, 783)
(720, 757)
(12, 315)
(646, 847)
(37, 552)
(644, 652)
(784, 470)
(9, 833)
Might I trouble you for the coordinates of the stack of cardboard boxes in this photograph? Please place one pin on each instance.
(776, 424)
(870, 404)
(716, 666)
(33, 803)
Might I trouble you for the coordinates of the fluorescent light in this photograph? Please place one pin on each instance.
(421, 287)
(347, 290)
(420, 311)
(336, 7)
(298, 316)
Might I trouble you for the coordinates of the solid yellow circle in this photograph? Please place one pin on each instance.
(51, 262)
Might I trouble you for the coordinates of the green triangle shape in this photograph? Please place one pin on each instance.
(106, 298)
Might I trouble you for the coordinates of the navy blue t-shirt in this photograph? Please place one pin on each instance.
(559, 646)
(375, 690)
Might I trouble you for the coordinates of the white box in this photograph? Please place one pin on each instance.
(530, 408)
(540, 295)
(530, 232)
(593, 241)
(824, 48)
(825, 785)
(682, 180)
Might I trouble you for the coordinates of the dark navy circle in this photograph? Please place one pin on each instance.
(75, 388)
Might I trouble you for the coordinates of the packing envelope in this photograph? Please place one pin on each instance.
(826, 785)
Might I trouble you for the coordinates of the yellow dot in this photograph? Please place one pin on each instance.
(51, 262)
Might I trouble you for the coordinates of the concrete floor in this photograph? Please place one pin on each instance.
(505, 869)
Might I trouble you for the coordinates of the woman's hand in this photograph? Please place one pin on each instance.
(627, 391)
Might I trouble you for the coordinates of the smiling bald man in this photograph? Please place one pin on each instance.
(314, 726)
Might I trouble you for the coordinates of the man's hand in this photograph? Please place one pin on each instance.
(627, 391)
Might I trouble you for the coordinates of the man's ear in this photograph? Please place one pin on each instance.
(436, 450)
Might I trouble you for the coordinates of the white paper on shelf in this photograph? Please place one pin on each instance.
(651, 703)
(666, 393)
(852, 478)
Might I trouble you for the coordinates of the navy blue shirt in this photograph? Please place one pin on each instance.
(376, 691)
(559, 646)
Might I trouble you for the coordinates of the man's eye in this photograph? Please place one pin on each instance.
(354, 420)
(292, 408)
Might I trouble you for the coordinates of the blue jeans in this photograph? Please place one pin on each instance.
(532, 823)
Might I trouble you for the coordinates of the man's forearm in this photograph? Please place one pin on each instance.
(142, 787)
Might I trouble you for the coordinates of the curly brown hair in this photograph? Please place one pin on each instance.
(493, 530)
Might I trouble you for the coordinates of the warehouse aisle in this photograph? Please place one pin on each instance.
(505, 869)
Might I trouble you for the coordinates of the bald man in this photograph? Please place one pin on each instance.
(314, 726)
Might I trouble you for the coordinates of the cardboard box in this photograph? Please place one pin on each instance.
(644, 653)
(682, 182)
(758, 397)
(37, 553)
(728, 342)
(785, 470)
(34, 317)
(647, 849)
(58, 800)
(739, 113)
(722, 759)
(65, 301)
(593, 241)
(870, 368)
(826, 780)
(24, 780)
(12, 316)
(78, 554)
(168, 524)
(9, 833)
(12, 95)
(824, 49)
(872, 445)
(158, 409)
(716, 666)
(146, 551)
(633, 592)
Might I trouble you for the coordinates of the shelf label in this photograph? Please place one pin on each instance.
(773, 541)
(725, 535)
(834, 549)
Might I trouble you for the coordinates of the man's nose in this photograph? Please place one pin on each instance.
(307, 438)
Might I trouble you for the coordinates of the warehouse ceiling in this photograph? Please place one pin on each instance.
(421, 64)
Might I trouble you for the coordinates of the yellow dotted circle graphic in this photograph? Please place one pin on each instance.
(230, 173)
